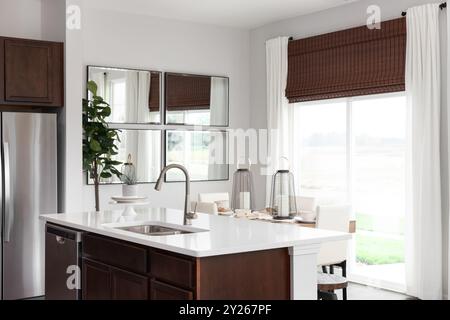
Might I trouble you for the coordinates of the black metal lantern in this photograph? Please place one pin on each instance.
(243, 189)
(282, 198)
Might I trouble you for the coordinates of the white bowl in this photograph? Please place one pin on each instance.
(308, 215)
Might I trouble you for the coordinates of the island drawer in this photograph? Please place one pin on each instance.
(171, 268)
(164, 291)
(117, 253)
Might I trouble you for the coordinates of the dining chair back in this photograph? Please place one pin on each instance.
(213, 197)
(206, 207)
(305, 203)
(306, 207)
(335, 218)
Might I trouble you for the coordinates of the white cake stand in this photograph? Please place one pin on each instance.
(128, 207)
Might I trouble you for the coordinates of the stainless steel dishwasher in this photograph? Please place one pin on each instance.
(62, 263)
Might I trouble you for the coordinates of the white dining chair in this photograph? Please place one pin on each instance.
(221, 199)
(206, 207)
(306, 207)
(213, 197)
(331, 254)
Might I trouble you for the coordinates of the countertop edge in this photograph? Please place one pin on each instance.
(191, 253)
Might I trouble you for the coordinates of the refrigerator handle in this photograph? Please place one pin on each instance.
(9, 210)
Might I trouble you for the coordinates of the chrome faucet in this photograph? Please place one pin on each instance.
(188, 214)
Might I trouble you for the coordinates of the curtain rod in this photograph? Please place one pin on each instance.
(441, 6)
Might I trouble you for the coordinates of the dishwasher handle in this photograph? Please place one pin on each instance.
(63, 234)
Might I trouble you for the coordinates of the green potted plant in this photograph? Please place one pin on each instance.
(99, 141)
(129, 187)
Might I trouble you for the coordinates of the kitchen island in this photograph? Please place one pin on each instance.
(215, 257)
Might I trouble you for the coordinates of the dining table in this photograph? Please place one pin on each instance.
(256, 215)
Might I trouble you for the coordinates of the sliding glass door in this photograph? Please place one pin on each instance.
(322, 170)
(379, 190)
(354, 151)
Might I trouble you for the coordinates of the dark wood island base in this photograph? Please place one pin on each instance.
(116, 269)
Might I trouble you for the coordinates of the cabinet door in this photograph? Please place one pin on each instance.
(163, 291)
(33, 72)
(96, 281)
(128, 286)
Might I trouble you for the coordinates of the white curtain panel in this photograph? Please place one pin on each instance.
(131, 114)
(277, 106)
(423, 86)
(217, 162)
(148, 142)
(100, 79)
(132, 92)
(448, 123)
(219, 102)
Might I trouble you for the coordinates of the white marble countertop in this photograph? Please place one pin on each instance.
(220, 235)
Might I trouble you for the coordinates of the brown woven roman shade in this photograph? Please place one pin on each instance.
(187, 92)
(155, 91)
(347, 63)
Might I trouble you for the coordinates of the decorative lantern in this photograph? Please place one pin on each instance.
(243, 189)
(129, 172)
(282, 198)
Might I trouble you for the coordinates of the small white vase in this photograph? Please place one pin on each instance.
(129, 190)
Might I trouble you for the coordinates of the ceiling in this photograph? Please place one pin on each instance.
(246, 14)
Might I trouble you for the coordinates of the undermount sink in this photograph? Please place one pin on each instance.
(154, 230)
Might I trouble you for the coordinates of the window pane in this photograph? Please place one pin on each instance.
(144, 147)
(379, 167)
(203, 153)
(323, 161)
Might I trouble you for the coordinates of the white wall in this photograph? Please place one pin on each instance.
(32, 19)
(344, 17)
(138, 41)
(70, 127)
(53, 20)
(20, 18)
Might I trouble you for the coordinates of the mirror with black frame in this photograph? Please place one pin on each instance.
(203, 153)
(196, 100)
(134, 95)
(143, 149)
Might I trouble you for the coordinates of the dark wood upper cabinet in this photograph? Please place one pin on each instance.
(31, 73)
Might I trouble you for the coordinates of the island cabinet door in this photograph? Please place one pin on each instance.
(128, 286)
(96, 281)
(163, 291)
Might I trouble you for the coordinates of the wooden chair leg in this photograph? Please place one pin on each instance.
(331, 269)
(324, 269)
(344, 294)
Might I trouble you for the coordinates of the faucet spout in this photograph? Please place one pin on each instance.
(188, 215)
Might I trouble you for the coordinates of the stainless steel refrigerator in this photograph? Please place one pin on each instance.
(28, 189)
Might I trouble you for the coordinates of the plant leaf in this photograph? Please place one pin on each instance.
(106, 175)
(95, 145)
(92, 87)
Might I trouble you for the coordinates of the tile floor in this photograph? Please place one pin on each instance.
(361, 292)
